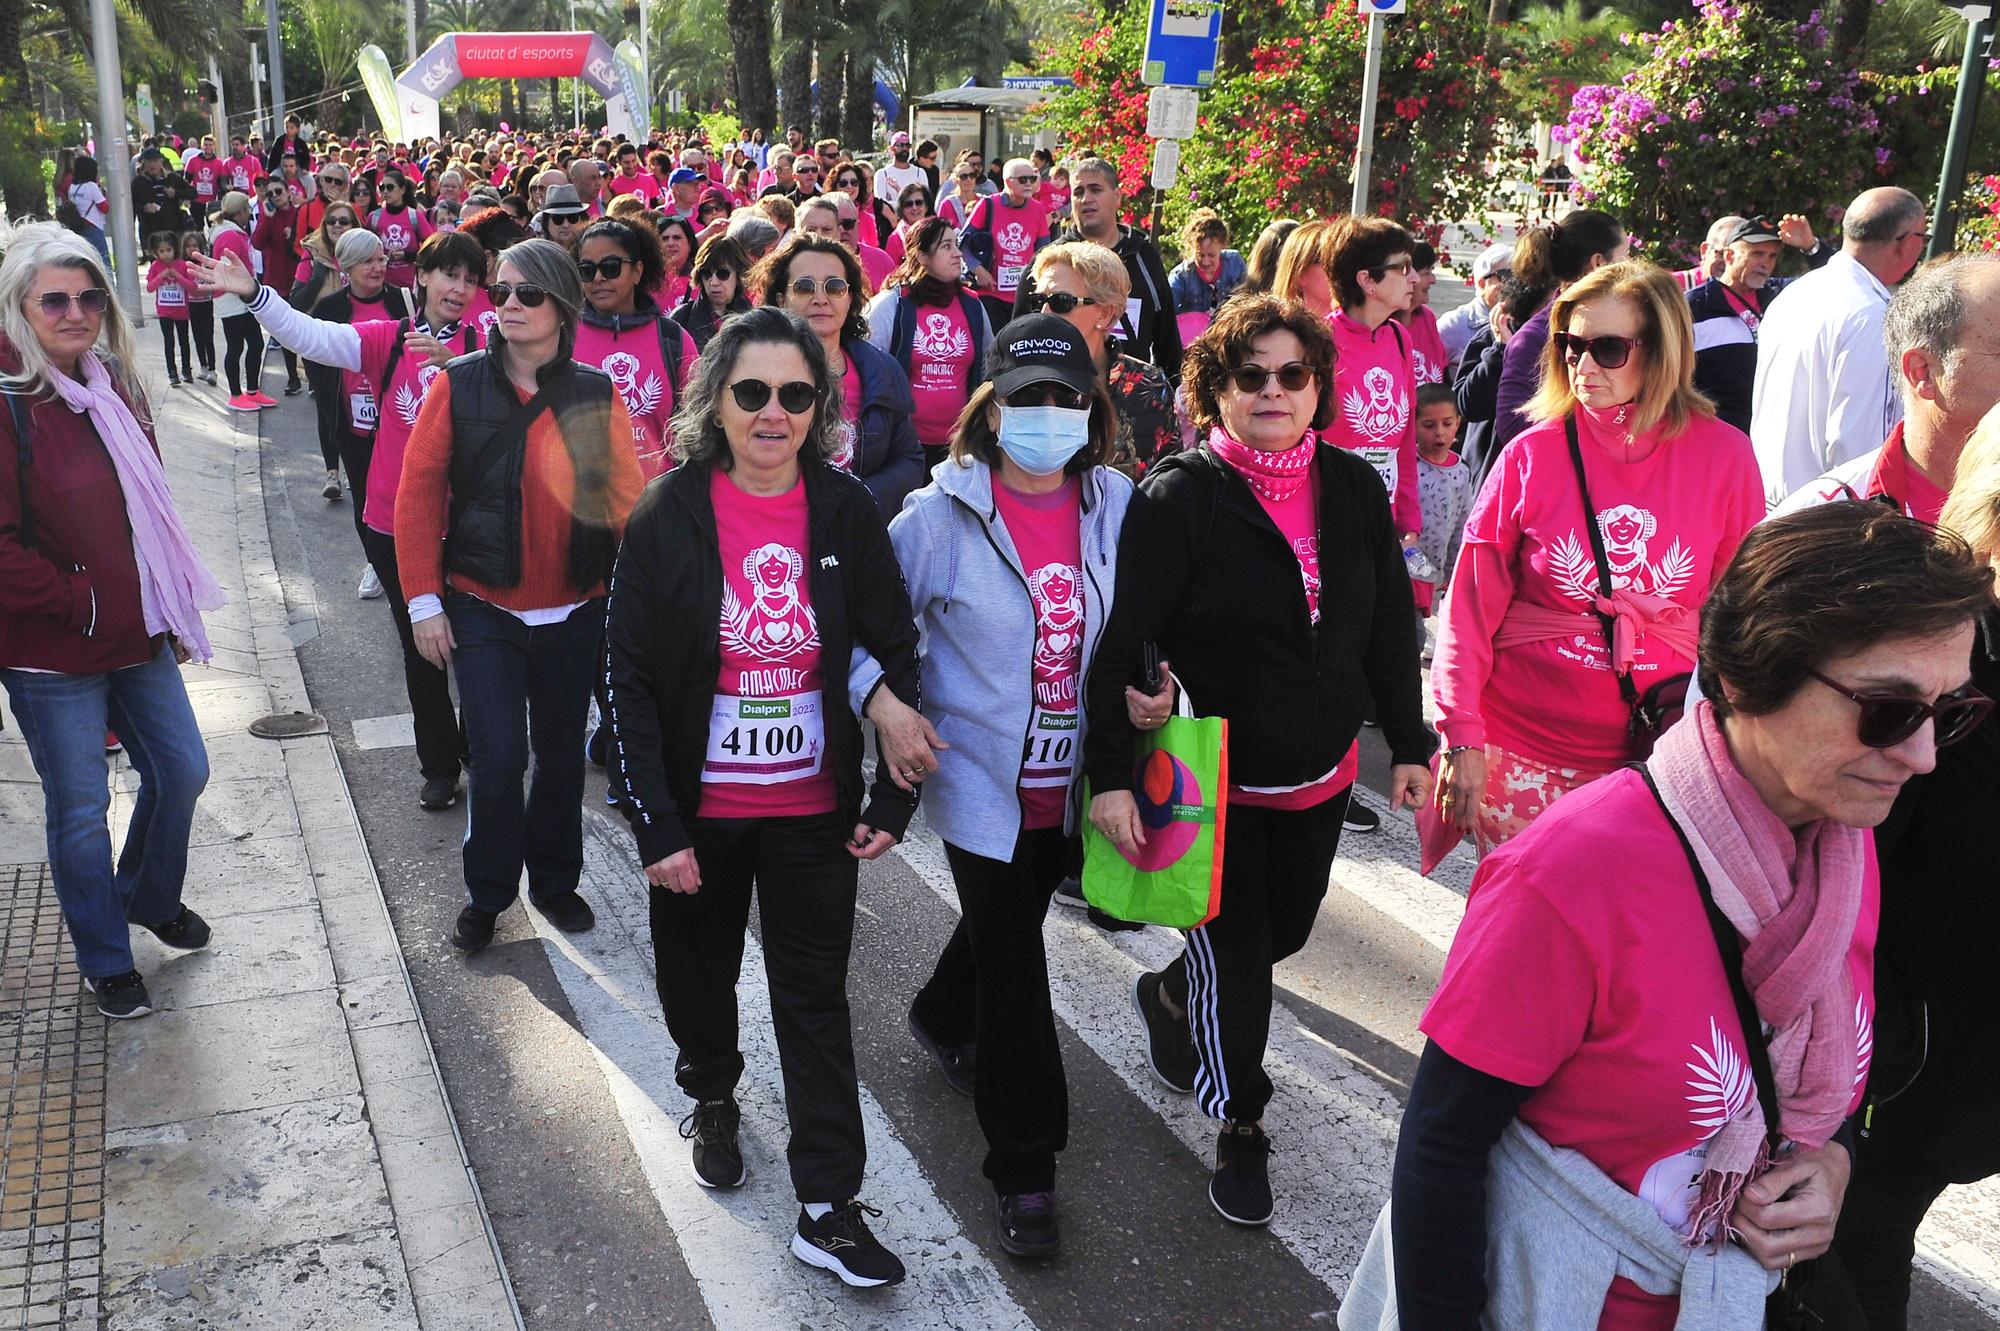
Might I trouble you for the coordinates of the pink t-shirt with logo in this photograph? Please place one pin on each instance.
(1047, 532)
(845, 435)
(632, 359)
(402, 397)
(404, 230)
(1375, 394)
(645, 184)
(1585, 968)
(244, 172)
(940, 369)
(206, 174)
(1428, 357)
(766, 754)
(479, 312)
(359, 407)
(1015, 231)
(1671, 522)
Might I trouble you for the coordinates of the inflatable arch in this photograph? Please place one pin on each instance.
(457, 56)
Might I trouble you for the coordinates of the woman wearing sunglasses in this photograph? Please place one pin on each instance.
(957, 205)
(1367, 265)
(748, 577)
(820, 280)
(399, 357)
(913, 208)
(402, 225)
(1088, 285)
(506, 580)
(624, 332)
(857, 181)
(101, 594)
(1591, 1074)
(331, 182)
(1671, 490)
(934, 328)
(1265, 567)
(717, 292)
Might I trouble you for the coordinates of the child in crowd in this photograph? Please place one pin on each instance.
(1444, 487)
(200, 308)
(169, 282)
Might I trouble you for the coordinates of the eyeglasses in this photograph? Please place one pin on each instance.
(93, 300)
(718, 275)
(1887, 719)
(531, 295)
(966, 175)
(1048, 394)
(796, 397)
(1610, 353)
(812, 286)
(1061, 302)
(1027, 180)
(337, 223)
(1291, 377)
(333, 180)
(805, 170)
(850, 223)
(1400, 266)
(589, 270)
(847, 182)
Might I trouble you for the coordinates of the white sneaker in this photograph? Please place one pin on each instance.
(371, 586)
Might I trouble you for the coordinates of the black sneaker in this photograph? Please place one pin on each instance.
(1111, 924)
(439, 792)
(122, 996)
(718, 1158)
(1360, 818)
(1069, 892)
(1241, 1187)
(839, 1242)
(186, 931)
(956, 1061)
(1169, 1045)
(294, 388)
(474, 929)
(1028, 1224)
(569, 913)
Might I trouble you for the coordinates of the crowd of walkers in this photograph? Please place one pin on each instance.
(707, 462)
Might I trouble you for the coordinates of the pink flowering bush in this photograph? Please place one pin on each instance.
(1979, 214)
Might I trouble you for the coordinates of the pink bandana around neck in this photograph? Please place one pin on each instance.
(1274, 476)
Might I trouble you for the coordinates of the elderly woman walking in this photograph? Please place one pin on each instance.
(101, 594)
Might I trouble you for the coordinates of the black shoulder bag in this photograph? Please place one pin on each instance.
(1815, 1295)
(1661, 705)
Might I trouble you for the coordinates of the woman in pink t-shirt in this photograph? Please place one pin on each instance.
(1593, 1002)
(1420, 321)
(934, 328)
(1535, 701)
(748, 577)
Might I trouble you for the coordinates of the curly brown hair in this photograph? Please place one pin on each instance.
(771, 279)
(1225, 344)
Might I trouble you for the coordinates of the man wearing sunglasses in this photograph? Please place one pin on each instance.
(563, 215)
(1002, 237)
(806, 176)
(1728, 308)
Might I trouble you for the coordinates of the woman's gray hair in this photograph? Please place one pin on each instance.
(30, 249)
(697, 424)
(357, 245)
(233, 203)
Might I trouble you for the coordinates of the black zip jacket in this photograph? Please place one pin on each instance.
(665, 646)
(1206, 574)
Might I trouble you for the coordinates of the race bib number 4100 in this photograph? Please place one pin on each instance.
(765, 741)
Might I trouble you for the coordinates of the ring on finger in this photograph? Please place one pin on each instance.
(1790, 1257)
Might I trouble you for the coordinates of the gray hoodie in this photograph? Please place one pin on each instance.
(970, 593)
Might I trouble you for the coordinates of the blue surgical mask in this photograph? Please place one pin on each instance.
(1042, 440)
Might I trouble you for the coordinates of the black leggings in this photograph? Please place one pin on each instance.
(201, 318)
(242, 338)
(169, 330)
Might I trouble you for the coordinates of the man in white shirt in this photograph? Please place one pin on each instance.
(1490, 270)
(1824, 393)
(901, 173)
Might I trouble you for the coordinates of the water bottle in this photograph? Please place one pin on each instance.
(1420, 566)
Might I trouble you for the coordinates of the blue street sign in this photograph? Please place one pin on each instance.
(1180, 43)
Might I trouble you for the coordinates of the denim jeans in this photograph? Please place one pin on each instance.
(523, 690)
(63, 718)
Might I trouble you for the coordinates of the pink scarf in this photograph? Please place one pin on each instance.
(1274, 476)
(1794, 899)
(174, 585)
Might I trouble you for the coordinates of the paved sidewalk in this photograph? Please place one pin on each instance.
(273, 1148)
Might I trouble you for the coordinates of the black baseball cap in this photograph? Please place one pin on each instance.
(1037, 349)
(1753, 230)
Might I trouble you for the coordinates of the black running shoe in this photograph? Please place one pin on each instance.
(474, 929)
(1028, 1224)
(956, 1061)
(1360, 818)
(1169, 1045)
(122, 996)
(839, 1242)
(1110, 923)
(439, 792)
(1241, 1187)
(294, 388)
(1069, 892)
(718, 1158)
(569, 913)
(186, 931)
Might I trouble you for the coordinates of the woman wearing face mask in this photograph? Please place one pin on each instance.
(935, 329)
(402, 356)
(717, 290)
(1266, 568)
(1017, 537)
(625, 333)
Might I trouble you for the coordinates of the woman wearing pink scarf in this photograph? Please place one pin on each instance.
(1588, 995)
(101, 594)
(1535, 700)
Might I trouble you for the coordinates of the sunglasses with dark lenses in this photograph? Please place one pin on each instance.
(1048, 394)
(589, 269)
(1609, 352)
(1291, 377)
(1887, 719)
(1061, 302)
(796, 397)
(531, 295)
(812, 286)
(967, 175)
(849, 223)
(718, 275)
(333, 180)
(94, 300)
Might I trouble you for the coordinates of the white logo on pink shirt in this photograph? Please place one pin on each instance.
(641, 399)
(1864, 1041)
(1380, 414)
(844, 435)
(937, 340)
(1013, 238)
(487, 318)
(1627, 531)
(776, 625)
(1057, 590)
(1722, 1083)
(1425, 372)
(409, 399)
(396, 236)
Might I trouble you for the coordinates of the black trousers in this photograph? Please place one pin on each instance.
(805, 884)
(440, 740)
(357, 451)
(171, 331)
(201, 319)
(1876, 1239)
(243, 342)
(991, 988)
(1273, 880)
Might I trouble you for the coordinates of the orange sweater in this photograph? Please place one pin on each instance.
(548, 484)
